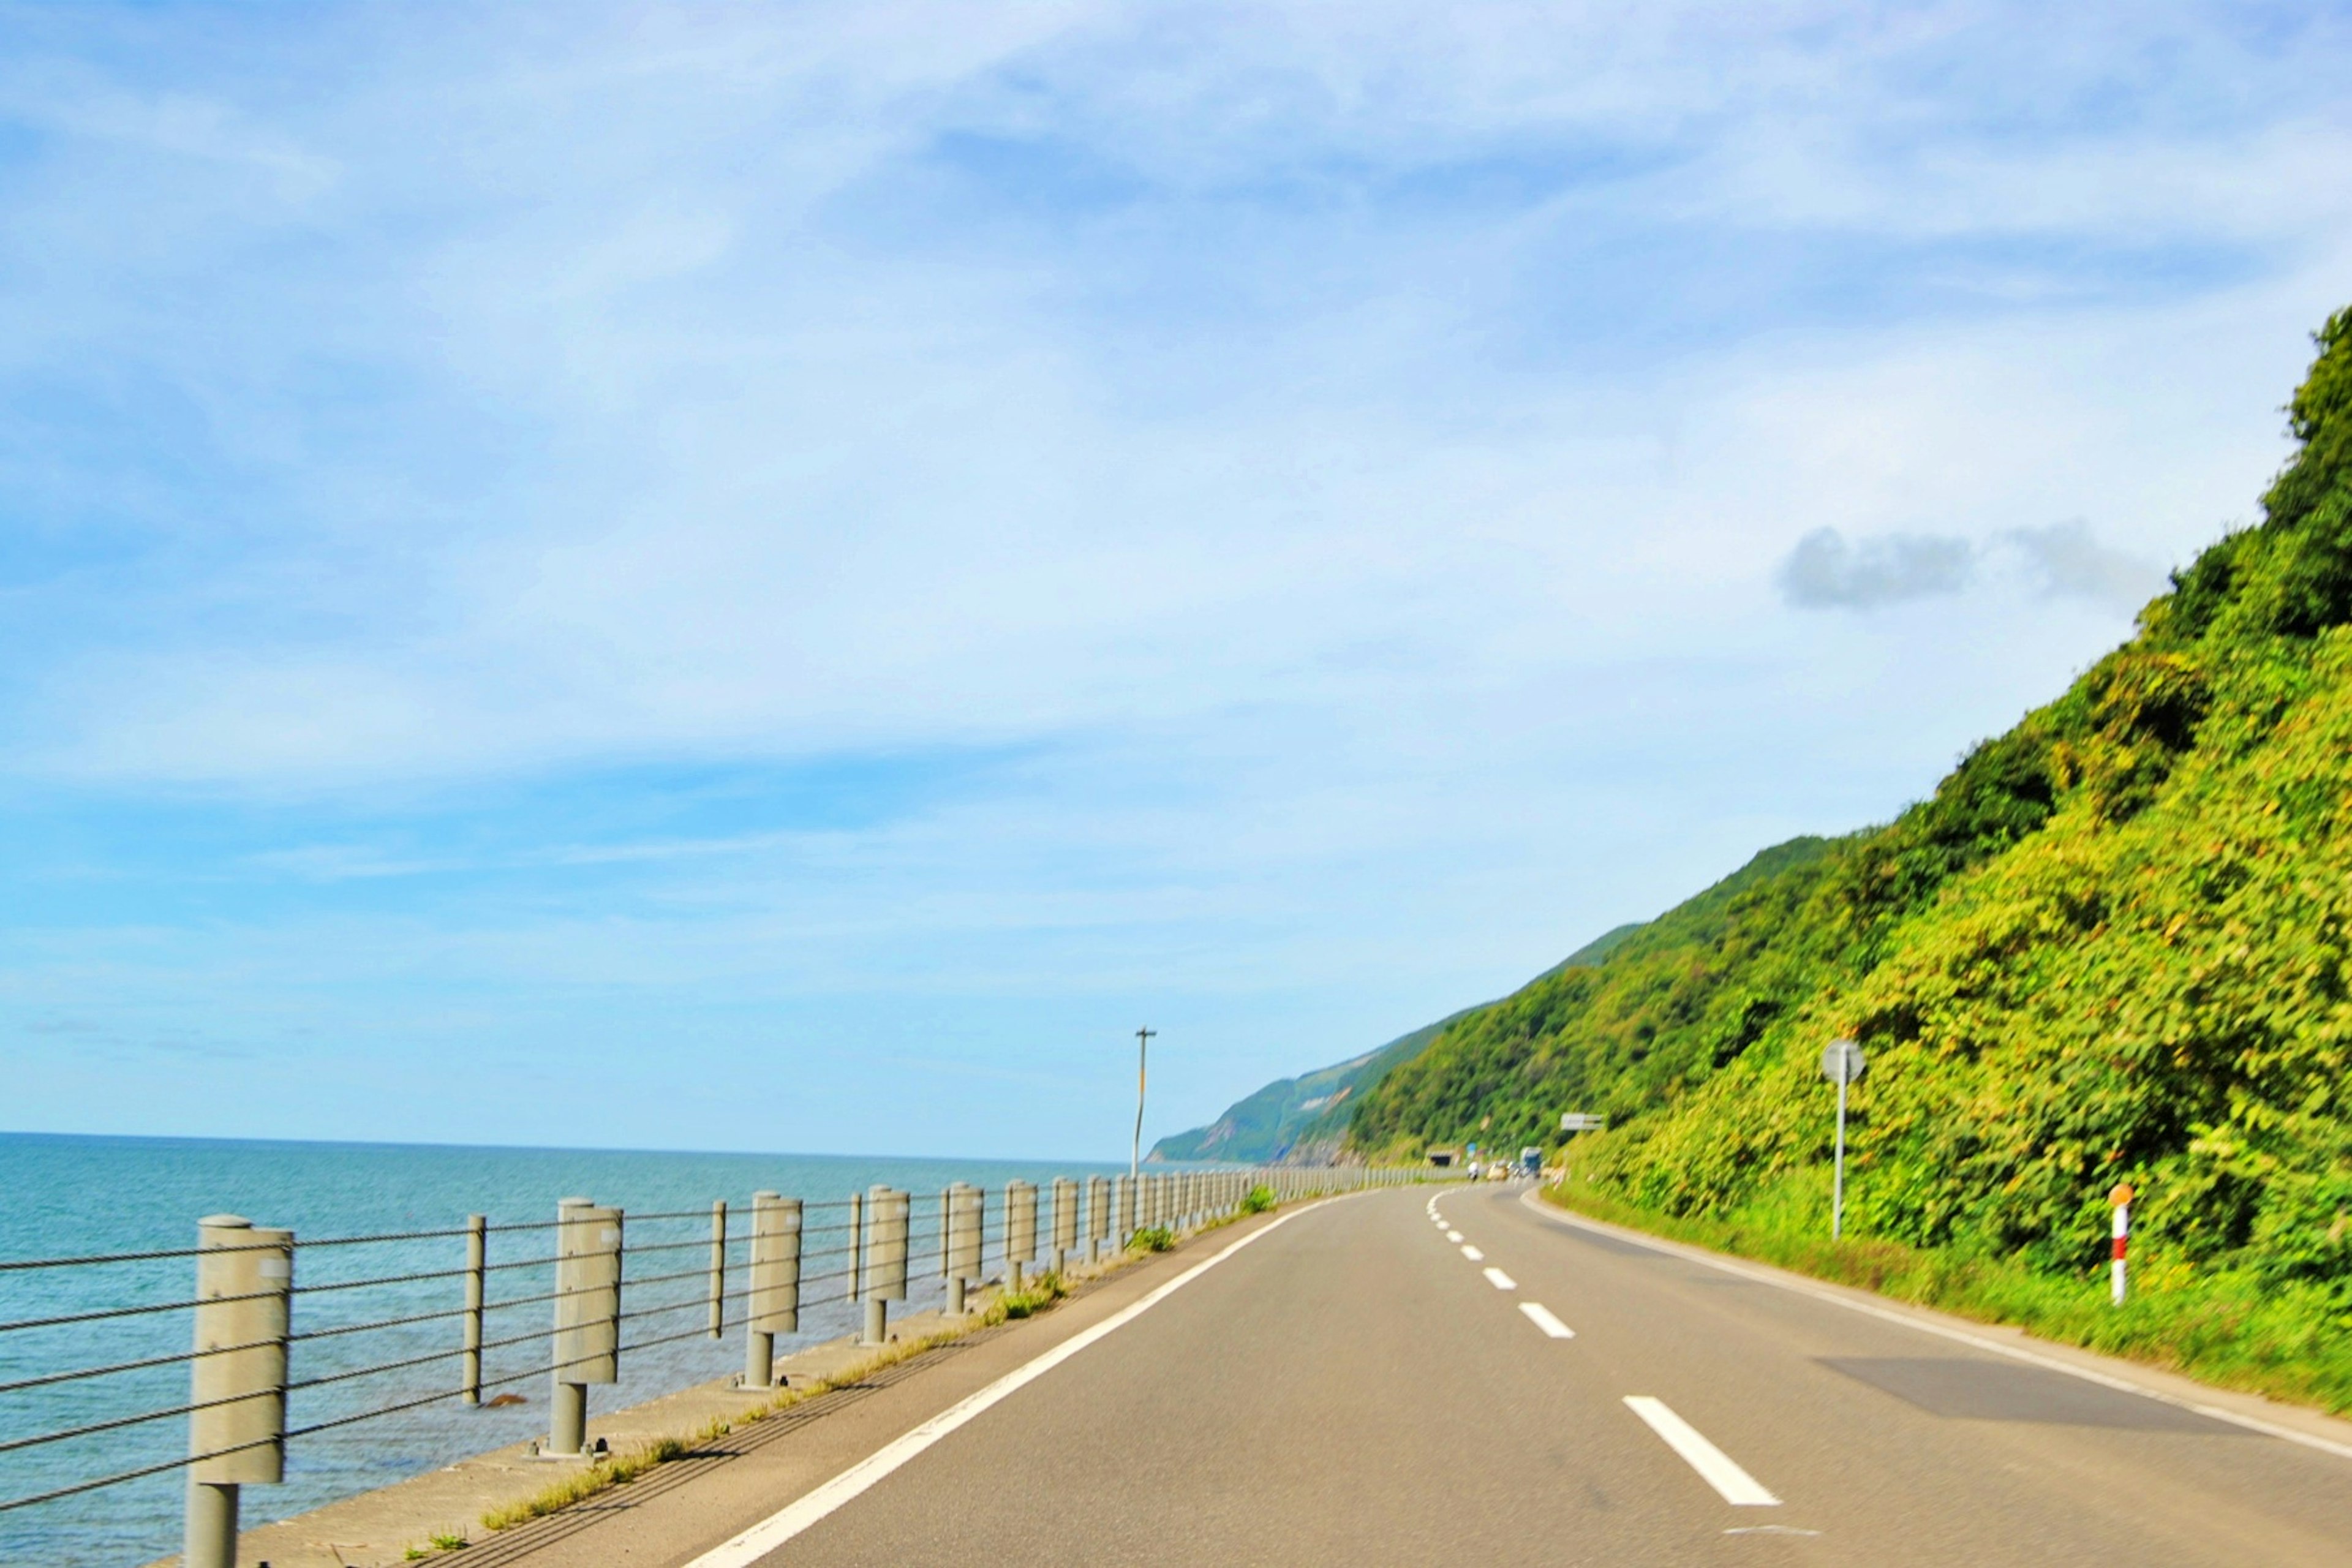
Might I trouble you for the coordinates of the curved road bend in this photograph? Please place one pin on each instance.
(1358, 1387)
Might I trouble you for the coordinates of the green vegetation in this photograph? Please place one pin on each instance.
(1152, 1238)
(1305, 1119)
(1038, 1294)
(1295, 1117)
(1259, 1200)
(2116, 944)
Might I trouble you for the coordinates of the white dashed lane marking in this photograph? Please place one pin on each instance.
(1714, 1466)
(1540, 1316)
(1500, 1281)
(1474, 1255)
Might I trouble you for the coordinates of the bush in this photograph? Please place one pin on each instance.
(1036, 1296)
(1152, 1238)
(1259, 1201)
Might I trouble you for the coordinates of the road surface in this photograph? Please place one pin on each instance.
(1454, 1375)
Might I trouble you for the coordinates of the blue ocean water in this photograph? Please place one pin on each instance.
(79, 1197)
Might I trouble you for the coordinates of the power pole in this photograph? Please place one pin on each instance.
(1142, 1045)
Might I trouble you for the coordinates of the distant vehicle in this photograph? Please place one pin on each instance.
(1530, 1160)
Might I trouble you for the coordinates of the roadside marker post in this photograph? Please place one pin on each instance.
(1841, 1064)
(2122, 1198)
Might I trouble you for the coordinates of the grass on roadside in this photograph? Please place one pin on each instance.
(2224, 1328)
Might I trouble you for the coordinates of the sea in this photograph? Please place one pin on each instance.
(64, 1196)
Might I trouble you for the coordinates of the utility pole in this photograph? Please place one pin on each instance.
(1142, 1045)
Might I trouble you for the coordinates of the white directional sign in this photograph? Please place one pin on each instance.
(1582, 1121)
(1841, 1061)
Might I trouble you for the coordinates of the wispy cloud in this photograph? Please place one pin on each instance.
(1825, 570)
(2069, 562)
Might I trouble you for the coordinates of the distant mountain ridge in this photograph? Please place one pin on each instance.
(1306, 1117)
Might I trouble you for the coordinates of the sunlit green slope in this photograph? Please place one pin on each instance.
(2112, 946)
(1306, 1117)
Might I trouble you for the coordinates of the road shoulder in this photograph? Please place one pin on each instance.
(2293, 1424)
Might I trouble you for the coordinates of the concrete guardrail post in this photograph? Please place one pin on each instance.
(587, 1318)
(478, 1260)
(773, 1306)
(1065, 1222)
(966, 1215)
(245, 1289)
(1020, 1231)
(1097, 1216)
(1122, 1199)
(887, 1211)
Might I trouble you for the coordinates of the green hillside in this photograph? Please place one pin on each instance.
(2115, 944)
(1295, 1118)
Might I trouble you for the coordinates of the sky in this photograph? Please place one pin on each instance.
(784, 576)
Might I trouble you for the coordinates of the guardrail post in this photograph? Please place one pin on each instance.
(587, 1318)
(477, 1257)
(961, 1213)
(719, 1269)
(1066, 1223)
(1020, 1231)
(1097, 1216)
(244, 1288)
(885, 1258)
(773, 1306)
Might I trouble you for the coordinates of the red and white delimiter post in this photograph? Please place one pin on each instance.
(2122, 1198)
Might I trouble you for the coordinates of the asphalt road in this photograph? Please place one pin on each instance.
(1354, 1387)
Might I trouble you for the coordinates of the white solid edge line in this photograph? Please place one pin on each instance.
(1960, 1336)
(1540, 1316)
(1714, 1466)
(1500, 1281)
(814, 1506)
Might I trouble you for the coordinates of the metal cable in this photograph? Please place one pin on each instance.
(131, 1475)
(129, 1311)
(668, 1279)
(520, 1263)
(22, 1263)
(680, 1245)
(384, 1279)
(665, 1339)
(12, 1443)
(680, 1307)
(378, 1323)
(374, 1370)
(392, 1235)
(126, 1366)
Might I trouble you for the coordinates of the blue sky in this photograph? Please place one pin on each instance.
(781, 576)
